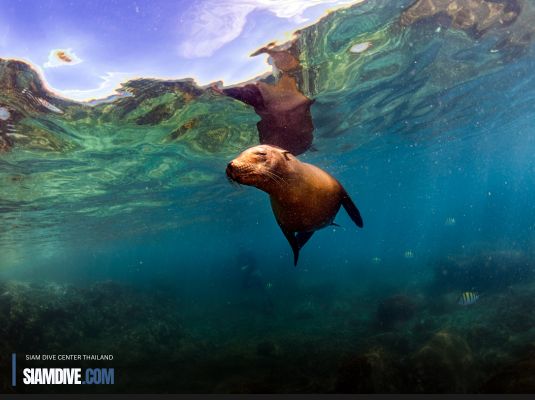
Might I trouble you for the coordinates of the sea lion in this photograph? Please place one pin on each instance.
(303, 197)
(285, 116)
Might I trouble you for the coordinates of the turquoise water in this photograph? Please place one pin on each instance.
(117, 238)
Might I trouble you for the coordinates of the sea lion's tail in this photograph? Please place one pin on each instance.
(297, 241)
(352, 209)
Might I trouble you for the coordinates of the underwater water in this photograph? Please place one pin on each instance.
(120, 233)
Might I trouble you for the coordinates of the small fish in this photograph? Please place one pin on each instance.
(245, 267)
(468, 298)
(269, 285)
(450, 221)
(376, 260)
(361, 47)
(408, 254)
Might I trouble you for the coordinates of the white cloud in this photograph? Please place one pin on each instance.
(110, 83)
(61, 57)
(213, 23)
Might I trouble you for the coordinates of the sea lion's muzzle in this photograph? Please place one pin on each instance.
(240, 172)
(230, 170)
(234, 171)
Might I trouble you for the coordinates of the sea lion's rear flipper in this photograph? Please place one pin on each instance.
(302, 238)
(290, 236)
(297, 241)
(352, 210)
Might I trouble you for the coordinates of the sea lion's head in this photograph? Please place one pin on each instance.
(265, 167)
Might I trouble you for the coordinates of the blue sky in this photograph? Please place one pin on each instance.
(111, 41)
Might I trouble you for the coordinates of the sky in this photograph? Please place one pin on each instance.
(105, 42)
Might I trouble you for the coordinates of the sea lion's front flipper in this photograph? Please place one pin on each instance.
(352, 210)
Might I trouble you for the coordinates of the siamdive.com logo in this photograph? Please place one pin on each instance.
(62, 376)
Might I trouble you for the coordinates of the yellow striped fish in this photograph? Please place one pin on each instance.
(468, 298)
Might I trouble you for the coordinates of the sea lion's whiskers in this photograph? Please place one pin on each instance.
(275, 178)
(277, 175)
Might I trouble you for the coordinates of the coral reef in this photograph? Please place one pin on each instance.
(518, 377)
(106, 317)
(373, 372)
(443, 365)
(394, 311)
(267, 348)
(336, 345)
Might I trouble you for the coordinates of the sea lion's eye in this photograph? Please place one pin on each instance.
(261, 153)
